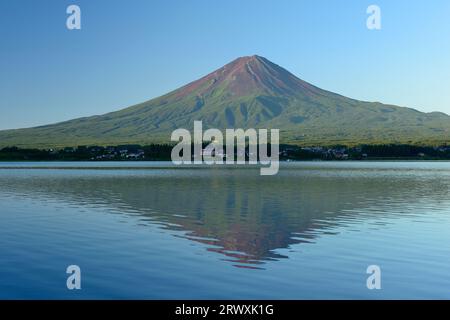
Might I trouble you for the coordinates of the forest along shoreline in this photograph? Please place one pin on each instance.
(162, 152)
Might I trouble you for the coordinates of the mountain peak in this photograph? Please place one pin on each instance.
(246, 59)
(249, 76)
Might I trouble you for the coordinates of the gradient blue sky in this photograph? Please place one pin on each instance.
(130, 51)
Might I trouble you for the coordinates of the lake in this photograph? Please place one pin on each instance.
(150, 230)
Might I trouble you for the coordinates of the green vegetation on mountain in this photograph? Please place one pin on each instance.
(250, 92)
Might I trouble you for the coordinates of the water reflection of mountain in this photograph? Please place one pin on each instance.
(237, 213)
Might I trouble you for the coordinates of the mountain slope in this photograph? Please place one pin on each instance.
(248, 92)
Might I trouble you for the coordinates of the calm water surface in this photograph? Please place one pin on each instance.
(152, 231)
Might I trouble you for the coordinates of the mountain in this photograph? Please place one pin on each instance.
(249, 92)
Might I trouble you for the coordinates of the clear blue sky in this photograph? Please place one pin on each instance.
(130, 51)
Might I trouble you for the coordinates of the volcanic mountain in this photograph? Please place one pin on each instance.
(249, 92)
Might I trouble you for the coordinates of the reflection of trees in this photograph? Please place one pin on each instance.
(239, 213)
